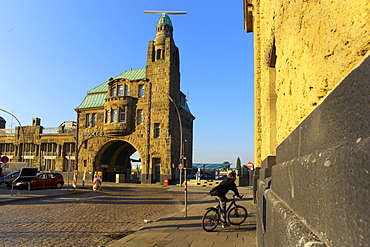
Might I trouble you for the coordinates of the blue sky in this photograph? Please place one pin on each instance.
(53, 52)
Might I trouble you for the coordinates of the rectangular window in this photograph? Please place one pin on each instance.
(114, 116)
(88, 119)
(127, 90)
(113, 91)
(69, 147)
(157, 130)
(107, 118)
(139, 117)
(120, 90)
(94, 119)
(141, 90)
(122, 115)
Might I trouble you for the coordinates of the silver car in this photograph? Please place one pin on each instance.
(9, 178)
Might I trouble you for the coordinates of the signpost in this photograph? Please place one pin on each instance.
(5, 159)
(251, 167)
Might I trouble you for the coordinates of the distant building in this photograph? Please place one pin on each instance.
(45, 148)
(312, 132)
(136, 111)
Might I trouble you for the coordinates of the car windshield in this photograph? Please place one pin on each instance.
(12, 175)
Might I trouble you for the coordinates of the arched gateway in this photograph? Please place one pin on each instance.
(137, 111)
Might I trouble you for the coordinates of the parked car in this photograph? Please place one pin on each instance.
(44, 180)
(9, 178)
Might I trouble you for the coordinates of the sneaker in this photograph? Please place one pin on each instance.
(224, 225)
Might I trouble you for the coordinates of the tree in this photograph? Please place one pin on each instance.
(225, 168)
(138, 170)
(238, 163)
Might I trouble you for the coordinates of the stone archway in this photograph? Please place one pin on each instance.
(114, 158)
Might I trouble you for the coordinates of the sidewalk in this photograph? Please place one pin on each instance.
(177, 230)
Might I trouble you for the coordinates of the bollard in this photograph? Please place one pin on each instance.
(95, 181)
(75, 173)
(99, 180)
(83, 179)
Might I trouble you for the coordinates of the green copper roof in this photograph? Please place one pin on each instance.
(133, 74)
(96, 96)
(130, 75)
(164, 19)
(93, 100)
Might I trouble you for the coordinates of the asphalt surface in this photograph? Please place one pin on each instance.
(119, 215)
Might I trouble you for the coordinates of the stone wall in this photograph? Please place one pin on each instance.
(312, 100)
(320, 184)
(317, 43)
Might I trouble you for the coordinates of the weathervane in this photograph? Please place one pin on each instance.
(165, 12)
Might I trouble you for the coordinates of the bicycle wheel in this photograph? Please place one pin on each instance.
(210, 220)
(237, 215)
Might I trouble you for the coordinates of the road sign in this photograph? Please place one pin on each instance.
(5, 159)
(250, 165)
(180, 166)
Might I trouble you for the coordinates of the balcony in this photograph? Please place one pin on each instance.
(117, 129)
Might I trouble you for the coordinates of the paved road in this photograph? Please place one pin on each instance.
(89, 219)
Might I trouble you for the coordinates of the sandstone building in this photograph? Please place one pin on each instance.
(136, 111)
(45, 148)
(312, 140)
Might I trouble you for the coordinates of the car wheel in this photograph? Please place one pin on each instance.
(58, 185)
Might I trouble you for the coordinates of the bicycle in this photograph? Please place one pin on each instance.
(235, 215)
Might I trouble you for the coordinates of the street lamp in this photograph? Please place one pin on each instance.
(181, 149)
(22, 154)
(178, 115)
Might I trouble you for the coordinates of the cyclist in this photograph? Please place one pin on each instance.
(221, 190)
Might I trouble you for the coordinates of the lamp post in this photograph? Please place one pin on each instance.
(181, 151)
(178, 115)
(21, 154)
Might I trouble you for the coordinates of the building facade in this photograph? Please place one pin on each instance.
(312, 111)
(140, 110)
(45, 148)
